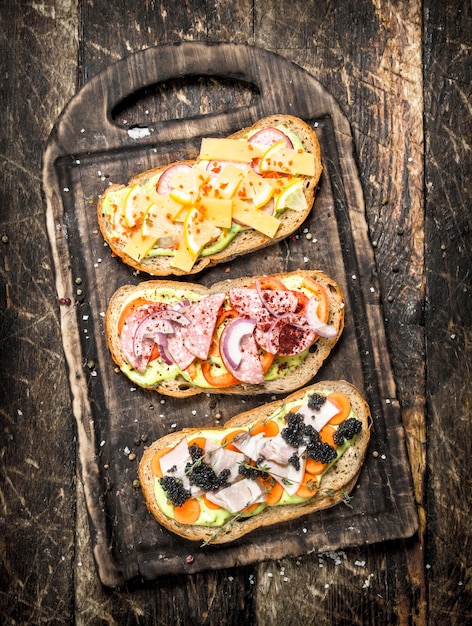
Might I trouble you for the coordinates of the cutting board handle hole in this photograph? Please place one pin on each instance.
(183, 98)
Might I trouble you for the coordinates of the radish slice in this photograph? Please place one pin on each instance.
(270, 136)
(232, 337)
(322, 329)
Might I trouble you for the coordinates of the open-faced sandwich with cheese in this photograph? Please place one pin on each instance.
(246, 335)
(275, 463)
(242, 193)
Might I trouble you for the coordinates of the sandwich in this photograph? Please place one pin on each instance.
(266, 334)
(278, 462)
(242, 193)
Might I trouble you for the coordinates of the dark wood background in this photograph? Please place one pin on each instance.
(401, 73)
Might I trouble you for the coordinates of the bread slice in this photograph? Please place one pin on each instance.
(181, 387)
(245, 241)
(335, 485)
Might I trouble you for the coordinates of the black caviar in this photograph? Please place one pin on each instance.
(202, 475)
(321, 451)
(316, 401)
(253, 471)
(297, 433)
(175, 490)
(347, 430)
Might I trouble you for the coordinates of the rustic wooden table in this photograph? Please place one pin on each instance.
(402, 76)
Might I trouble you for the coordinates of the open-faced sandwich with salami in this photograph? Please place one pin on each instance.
(275, 463)
(246, 335)
(242, 193)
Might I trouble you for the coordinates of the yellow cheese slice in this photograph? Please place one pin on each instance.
(223, 149)
(225, 184)
(247, 214)
(139, 245)
(183, 259)
(218, 211)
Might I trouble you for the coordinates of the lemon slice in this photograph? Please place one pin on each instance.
(292, 197)
(136, 204)
(198, 232)
(255, 188)
(270, 156)
(156, 224)
(185, 185)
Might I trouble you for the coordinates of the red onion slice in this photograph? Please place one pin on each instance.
(311, 314)
(230, 343)
(161, 340)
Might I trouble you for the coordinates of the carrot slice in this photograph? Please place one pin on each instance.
(268, 427)
(314, 467)
(188, 513)
(308, 486)
(227, 439)
(341, 400)
(327, 434)
(266, 361)
(154, 353)
(198, 441)
(155, 461)
(274, 491)
(129, 308)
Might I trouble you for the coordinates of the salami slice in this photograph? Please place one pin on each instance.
(198, 333)
(249, 369)
(265, 306)
(178, 350)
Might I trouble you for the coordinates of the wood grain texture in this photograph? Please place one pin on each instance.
(448, 80)
(371, 56)
(37, 465)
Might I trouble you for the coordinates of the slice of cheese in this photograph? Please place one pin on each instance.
(227, 181)
(248, 215)
(139, 245)
(183, 259)
(223, 149)
(218, 211)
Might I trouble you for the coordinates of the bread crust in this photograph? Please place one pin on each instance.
(336, 484)
(182, 388)
(246, 241)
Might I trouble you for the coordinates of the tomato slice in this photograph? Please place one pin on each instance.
(320, 293)
(271, 282)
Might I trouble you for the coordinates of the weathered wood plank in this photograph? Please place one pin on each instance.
(448, 127)
(38, 46)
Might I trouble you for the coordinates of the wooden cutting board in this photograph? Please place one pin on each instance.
(173, 96)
